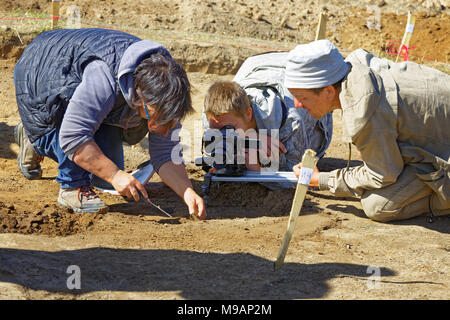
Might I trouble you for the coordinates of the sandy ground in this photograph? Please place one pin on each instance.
(135, 252)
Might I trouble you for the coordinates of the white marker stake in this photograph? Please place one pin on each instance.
(321, 31)
(55, 13)
(308, 162)
(408, 33)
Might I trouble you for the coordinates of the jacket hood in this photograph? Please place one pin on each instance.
(130, 60)
(261, 76)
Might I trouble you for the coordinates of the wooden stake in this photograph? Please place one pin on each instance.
(55, 13)
(321, 27)
(408, 33)
(308, 163)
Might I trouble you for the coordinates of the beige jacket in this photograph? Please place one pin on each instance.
(395, 114)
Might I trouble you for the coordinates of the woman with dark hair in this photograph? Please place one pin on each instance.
(81, 93)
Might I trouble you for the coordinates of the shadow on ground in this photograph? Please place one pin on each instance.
(328, 164)
(194, 275)
(250, 200)
(347, 208)
(6, 138)
(440, 224)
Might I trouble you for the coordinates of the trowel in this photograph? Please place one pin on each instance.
(143, 174)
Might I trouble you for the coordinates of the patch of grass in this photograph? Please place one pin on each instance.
(33, 22)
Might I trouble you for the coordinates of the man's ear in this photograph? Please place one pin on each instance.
(331, 92)
(249, 114)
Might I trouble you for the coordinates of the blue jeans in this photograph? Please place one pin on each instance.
(70, 175)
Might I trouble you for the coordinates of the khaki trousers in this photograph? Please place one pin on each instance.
(411, 195)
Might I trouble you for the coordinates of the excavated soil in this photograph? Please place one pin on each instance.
(136, 252)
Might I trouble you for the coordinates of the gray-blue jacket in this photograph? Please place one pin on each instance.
(82, 78)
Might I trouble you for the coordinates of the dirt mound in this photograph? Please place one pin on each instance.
(11, 46)
(217, 36)
(254, 199)
(215, 59)
(245, 199)
(429, 41)
(50, 220)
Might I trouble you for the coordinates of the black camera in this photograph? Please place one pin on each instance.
(224, 151)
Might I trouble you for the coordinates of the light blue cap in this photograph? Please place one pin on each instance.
(314, 65)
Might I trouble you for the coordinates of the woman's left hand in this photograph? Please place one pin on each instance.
(195, 203)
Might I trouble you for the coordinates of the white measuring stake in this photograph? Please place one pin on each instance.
(55, 13)
(408, 33)
(308, 163)
(321, 31)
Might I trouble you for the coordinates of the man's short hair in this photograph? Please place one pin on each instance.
(225, 97)
(163, 83)
(337, 86)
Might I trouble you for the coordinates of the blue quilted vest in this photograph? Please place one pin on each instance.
(51, 67)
